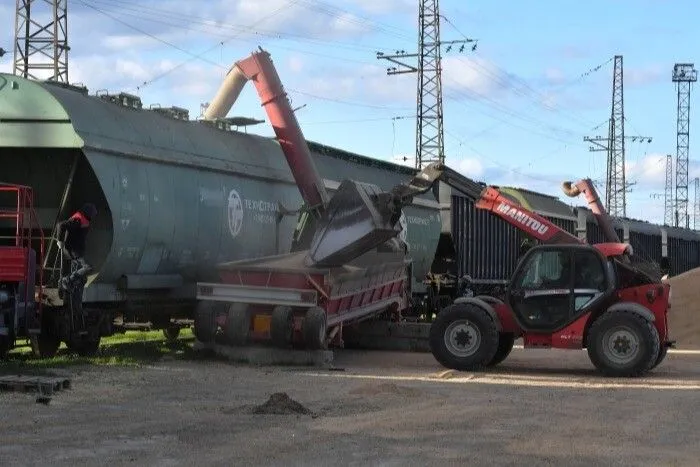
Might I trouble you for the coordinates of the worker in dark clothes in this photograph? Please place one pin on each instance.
(72, 236)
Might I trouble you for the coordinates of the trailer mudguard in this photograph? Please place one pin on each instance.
(483, 305)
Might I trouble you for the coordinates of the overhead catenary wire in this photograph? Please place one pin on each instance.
(492, 103)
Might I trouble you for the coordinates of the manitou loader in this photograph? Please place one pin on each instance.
(563, 294)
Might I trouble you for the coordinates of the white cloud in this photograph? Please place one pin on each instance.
(469, 167)
(296, 63)
(385, 6)
(649, 171)
(647, 75)
(473, 74)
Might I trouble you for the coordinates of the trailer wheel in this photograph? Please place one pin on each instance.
(314, 328)
(205, 322)
(464, 337)
(282, 326)
(505, 346)
(238, 324)
(44, 346)
(623, 344)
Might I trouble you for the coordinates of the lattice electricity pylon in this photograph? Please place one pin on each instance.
(696, 207)
(46, 38)
(600, 143)
(668, 192)
(684, 74)
(616, 186)
(430, 145)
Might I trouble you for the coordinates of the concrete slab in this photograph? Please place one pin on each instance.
(270, 356)
(384, 335)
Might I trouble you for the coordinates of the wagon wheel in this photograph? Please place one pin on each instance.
(205, 322)
(238, 324)
(171, 332)
(44, 346)
(314, 328)
(282, 326)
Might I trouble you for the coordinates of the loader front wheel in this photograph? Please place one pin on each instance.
(464, 337)
(623, 343)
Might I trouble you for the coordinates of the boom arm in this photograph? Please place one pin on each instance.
(529, 222)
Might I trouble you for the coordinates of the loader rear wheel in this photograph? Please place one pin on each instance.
(282, 326)
(464, 337)
(623, 344)
(314, 328)
(205, 322)
(505, 346)
(238, 324)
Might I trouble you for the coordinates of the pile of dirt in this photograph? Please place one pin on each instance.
(280, 403)
(684, 316)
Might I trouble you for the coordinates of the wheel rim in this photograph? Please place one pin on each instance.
(620, 345)
(462, 338)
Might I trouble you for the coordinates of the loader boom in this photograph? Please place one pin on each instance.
(529, 222)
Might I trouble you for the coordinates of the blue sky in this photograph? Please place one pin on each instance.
(515, 111)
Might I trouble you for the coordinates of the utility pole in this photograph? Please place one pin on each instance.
(47, 39)
(616, 185)
(684, 74)
(668, 192)
(696, 207)
(430, 146)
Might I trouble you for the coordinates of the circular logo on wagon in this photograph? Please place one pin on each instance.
(235, 213)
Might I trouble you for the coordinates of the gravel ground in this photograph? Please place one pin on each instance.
(385, 408)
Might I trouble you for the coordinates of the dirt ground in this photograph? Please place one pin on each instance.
(684, 316)
(385, 408)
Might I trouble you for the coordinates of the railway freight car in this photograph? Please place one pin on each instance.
(664, 248)
(175, 197)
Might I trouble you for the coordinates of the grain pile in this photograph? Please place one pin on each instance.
(684, 316)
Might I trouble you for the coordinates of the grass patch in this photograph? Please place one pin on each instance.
(131, 349)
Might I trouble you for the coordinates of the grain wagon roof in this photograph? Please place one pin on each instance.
(539, 202)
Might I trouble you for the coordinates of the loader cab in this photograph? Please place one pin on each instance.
(554, 285)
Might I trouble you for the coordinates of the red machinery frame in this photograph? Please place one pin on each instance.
(14, 260)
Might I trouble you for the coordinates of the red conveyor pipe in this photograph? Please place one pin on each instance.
(259, 69)
(585, 186)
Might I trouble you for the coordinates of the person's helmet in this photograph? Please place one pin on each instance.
(89, 210)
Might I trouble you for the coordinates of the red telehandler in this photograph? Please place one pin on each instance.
(563, 294)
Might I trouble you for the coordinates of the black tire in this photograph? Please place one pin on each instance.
(469, 321)
(84, 347)
(237, 324)
(505, 346)
(205, 322)
(314, 328)
(610, 338)
(5, 346)
(44, 345)
(661, 357)
(171, 332)
(282, 326)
